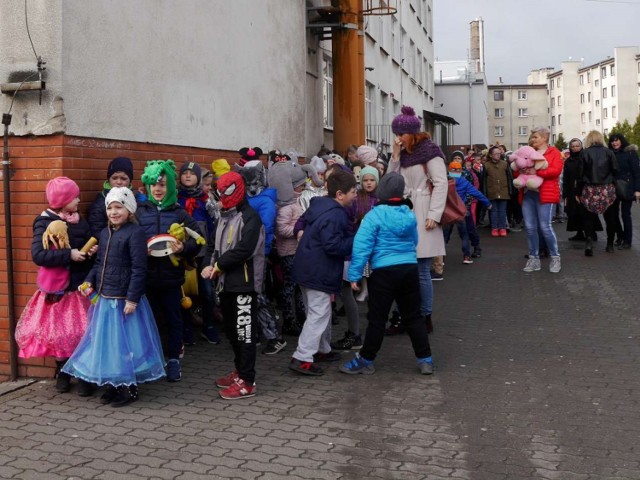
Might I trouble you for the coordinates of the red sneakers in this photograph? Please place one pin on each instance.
(227, 381)
(503, 232)
(239, 389)
(495, 232)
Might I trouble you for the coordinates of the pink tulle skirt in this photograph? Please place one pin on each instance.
(52, 329)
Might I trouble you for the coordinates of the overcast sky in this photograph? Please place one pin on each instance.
(523, 35)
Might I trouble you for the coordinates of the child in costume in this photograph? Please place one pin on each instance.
(387, 239)
(121, 347)
(55, 318)
(237, 261)
(119, 174)
(193, 199)
(164, 280)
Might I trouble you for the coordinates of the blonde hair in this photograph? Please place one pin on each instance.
(594, 137)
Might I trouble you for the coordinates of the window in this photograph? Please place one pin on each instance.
(384, 108)
(597, 121)
(327, 92)
(597, 103)
(589, 97)
(613, 91)
(369, 106)
(582, 117)
(590, 116)
(606, 131)
(553, 138)
(612, 70)
(553, 121)
(588, 77)
(604, 92)
(522, 94)
(614, 112)
(582, 79)
(553, 84)
(498, 95)
(523, 130)
(395, 45)
(559, 119)
(553, 102)
(559, 100)
(523, 112)
(582, 98)
(558, 82)
(498, 131)
(605, 113)
(499, 112)
(597, 82)
(603, 72)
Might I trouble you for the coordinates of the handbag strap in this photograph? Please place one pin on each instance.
(429, 181)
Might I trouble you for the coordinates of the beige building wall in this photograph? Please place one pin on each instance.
(513, 111)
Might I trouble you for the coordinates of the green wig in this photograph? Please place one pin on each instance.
(153, 172)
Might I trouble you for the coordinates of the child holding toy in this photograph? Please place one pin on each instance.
(164, 278)
(55, 318)
(121, 347)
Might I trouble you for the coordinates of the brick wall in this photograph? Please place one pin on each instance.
(35, 160)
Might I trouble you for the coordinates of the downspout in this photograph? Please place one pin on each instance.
(6, 177)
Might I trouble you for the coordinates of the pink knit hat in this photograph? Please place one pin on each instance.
(406, 122)
(60, 191)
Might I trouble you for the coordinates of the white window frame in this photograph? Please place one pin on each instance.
(498, 131)
(522, 95)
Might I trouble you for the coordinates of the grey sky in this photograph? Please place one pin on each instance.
(524, 35)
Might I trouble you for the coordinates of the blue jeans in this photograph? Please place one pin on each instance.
(538, 216)
(472, 230)
(426, 287)
(464, 235)
(499, 214)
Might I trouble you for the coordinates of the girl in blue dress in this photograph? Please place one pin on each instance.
(121, 347)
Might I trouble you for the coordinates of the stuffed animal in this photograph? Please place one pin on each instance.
(179, 231)
(56, 237)
(523, 158)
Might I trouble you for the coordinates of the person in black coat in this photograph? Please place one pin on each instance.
(629, 173)
(575, 212)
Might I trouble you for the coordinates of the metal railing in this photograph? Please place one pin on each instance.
(379, 134)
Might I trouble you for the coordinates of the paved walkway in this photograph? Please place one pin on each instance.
(537, 378)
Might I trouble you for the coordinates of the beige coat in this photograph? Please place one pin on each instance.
(425, 204)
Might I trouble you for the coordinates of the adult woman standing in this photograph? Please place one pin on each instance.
(628, 172)
(538, 207)
(576, 213)
(595, 186)
(421, 162)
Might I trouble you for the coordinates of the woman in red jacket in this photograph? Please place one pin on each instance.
(538, 207)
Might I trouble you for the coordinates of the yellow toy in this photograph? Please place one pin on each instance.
(180, 232)
(56, 236)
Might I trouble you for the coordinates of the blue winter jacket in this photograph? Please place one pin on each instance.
(160, 271)
(387, 236)
(319, 259)
(121, 268)
(466, 189)
(265, 205)
(97, 214)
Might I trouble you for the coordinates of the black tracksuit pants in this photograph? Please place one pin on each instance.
(402, 284)
(239, 313)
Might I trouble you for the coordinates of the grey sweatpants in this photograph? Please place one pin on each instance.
(316, 332)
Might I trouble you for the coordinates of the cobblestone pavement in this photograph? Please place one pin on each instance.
(537, 378)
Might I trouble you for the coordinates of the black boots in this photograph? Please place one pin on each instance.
(588, 248)
(125, 395)
(63, 380)
(85, 389)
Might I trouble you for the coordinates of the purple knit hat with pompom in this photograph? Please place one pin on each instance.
(406, 122)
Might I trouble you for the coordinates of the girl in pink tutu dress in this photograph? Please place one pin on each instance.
(55, 318)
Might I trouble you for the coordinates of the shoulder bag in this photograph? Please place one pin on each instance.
(455, 209)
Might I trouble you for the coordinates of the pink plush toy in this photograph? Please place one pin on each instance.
(523, 158)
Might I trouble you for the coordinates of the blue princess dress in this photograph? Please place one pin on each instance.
(118, 349)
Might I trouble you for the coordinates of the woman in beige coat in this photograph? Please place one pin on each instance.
(417, 159)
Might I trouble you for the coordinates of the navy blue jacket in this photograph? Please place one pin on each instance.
(160, 271)
(326, 241)
(628, 167)
(78, 233)
(121, 268)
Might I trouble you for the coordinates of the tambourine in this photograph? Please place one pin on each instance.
(159, 245)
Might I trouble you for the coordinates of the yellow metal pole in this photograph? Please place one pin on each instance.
(348, 77)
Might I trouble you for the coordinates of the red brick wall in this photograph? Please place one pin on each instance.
(35, 160)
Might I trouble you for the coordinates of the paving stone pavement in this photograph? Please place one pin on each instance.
(537, 378)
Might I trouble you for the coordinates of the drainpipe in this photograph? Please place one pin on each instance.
(6, 177)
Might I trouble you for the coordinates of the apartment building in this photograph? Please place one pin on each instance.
(595, 97)
(514, 109)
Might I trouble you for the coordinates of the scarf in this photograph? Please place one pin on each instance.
(422, 153)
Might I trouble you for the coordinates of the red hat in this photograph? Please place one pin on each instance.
(231, 189)
(60, 191)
